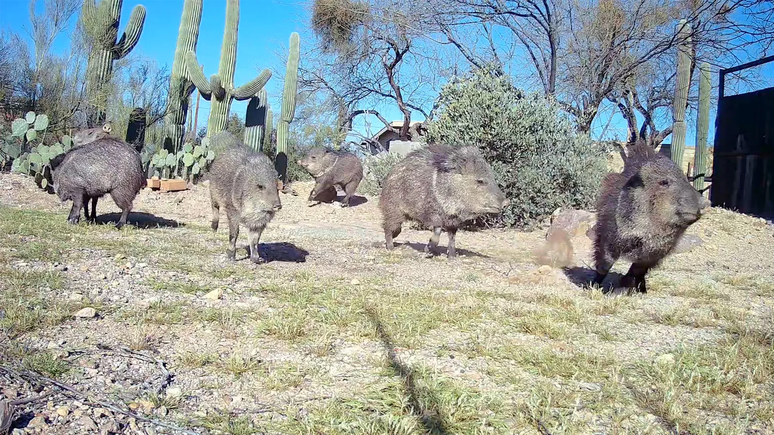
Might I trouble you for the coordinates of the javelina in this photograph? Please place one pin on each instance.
(332, 168)
(106, 165)
(440, 187)
(641, 214)
(245, 184)
(88, 135)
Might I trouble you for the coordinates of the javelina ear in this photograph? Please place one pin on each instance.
(445, 163)
(56, 161)
(635, 182)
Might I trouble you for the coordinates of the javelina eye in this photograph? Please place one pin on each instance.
(481, 181)
(664, 182)
(260, 187)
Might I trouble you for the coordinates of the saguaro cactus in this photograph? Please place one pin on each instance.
(180, 87)
(220, 89)
(267, 132)
(135, 132)
(702, 126)
(255, 120)
(683, 83)
(288, 108)
(101, 24)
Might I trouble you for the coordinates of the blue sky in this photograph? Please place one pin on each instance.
(265, 26)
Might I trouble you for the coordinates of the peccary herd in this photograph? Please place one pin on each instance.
(641, 212)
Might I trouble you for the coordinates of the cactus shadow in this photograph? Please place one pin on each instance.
(430, 416)
(282, 251)
(583, 277)
(140, 220)
(440, 250)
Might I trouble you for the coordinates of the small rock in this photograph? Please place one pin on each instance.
(134, 406)
(214, 295)
(61, 267)
(75, 297)
(544, 269)
(17, 432)
(355, 282)
(10, 393)
(665, 359)
(78, 413)
(687, 243)
(86, 313)
(174, 392)
(162, 411)
(37, 422)
(146, 405)
(87, 423)
(119, 257)
(63, 411)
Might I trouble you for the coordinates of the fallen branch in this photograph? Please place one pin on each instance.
(35, 378)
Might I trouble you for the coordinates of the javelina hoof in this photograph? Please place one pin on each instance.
(73, 221)
(257, 259)
(119, 225)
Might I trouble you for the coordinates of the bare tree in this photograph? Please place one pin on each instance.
(375, 48)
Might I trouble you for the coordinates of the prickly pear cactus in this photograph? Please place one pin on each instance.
(30, 133)
(189, 163)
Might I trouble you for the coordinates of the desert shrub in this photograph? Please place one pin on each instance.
(538, 159)
(375, 170)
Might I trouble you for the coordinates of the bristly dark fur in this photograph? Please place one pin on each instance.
(331, 168)
(642, 212)
(441, 187)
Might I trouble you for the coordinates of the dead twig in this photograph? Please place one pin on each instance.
(125, 351)
(35, 378)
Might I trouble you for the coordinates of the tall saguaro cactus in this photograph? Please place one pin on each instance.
(255, 120)
(683, 83)
(101, 25)
(288, 107)
(702, 126)
(220, 89)
(180, 87)
(267, 132)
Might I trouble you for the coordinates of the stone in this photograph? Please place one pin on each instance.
(87, 423)
(174, 392)
(63, 411)
(37, 422)
(574, 222)
(544, 269)
(687, 243)
(665, 359)
(355, 282)
(86, 313)
(214, 295)
(76, 297)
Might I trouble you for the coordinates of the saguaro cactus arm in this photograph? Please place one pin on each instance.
(251, 88)
(196, 75)
(291, 80)
(132, 33)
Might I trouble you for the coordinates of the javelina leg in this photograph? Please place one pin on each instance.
(93, 217)
(254, 236)
(215, 216)
(233, 234)
(604, 263)
(75, 212)
(451, 251)
(389, 235)
(124, 215)
(434, 239)
(635, 277)
(349, 191)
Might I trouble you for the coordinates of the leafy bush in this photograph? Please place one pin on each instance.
(376, 168)
(538, 159)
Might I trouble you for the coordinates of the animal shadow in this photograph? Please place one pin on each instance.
(282, 251)
(427, 410)
(140, 220)
(354, 200)
(420, 247)
(584, 277)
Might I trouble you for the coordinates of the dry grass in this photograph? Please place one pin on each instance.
(356, 339)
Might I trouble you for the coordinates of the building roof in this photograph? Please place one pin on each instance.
(393, 124)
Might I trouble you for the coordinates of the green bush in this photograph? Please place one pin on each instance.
(375, 170)
(538, 159)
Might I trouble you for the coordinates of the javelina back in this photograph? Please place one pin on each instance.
(106, 165)
(641, 214)
(440, 187)
(88, 135)
(244, 183)
(332, 168)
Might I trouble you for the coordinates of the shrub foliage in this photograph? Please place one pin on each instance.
(539, 160)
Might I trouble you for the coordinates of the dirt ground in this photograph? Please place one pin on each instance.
(334, 334)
